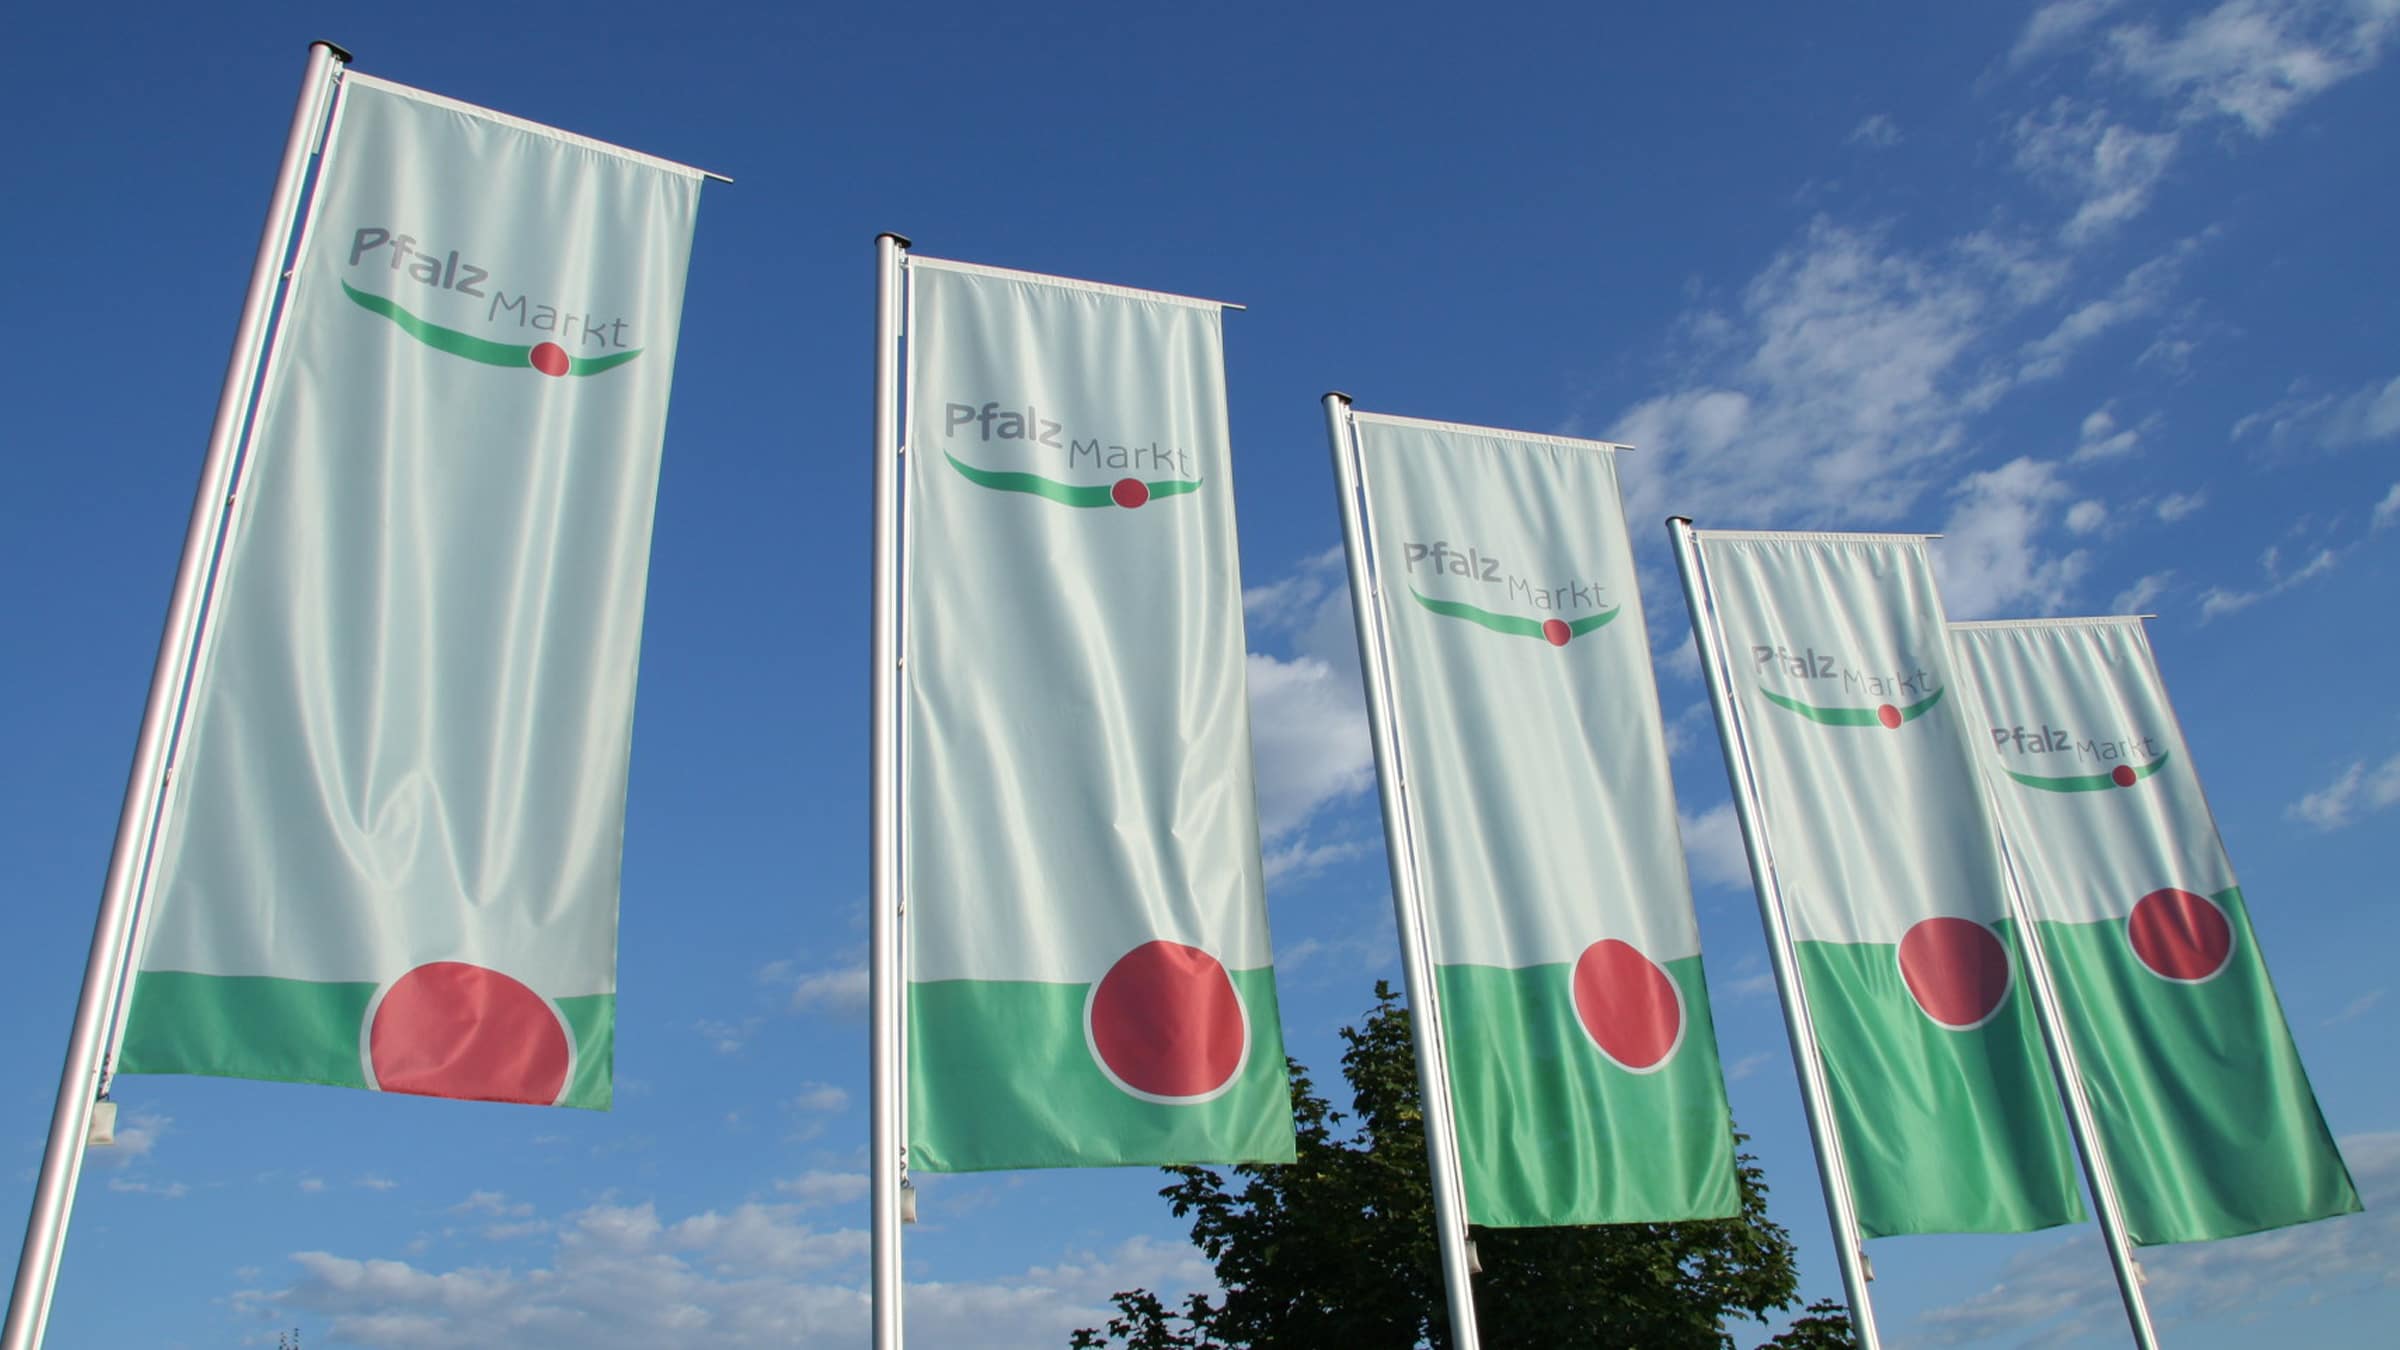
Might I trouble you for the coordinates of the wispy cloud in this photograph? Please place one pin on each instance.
(2053, 1292)
(2109, 170)
(2302, 420)
(2254, 61)
(1990, 556)
(2387, 510)
(2356, 791)
(2356, 1008)
(2177, 505)
(2218, 601)
(1877, 132)
(2056, 24)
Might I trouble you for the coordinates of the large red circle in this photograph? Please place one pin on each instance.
(549, 358)
(2123, 776)
(1889, 716)
(1165, 1022)
(1129, 492)
(1955, 969)
(449, 1029)
(1556, 632)
(1627, 1004)
(2179, 935)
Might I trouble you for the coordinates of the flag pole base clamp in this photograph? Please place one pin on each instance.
(103, 1132)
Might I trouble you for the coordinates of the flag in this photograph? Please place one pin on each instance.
(2202, 1106)
(389, 857)
(1582, 1059)
(1892, 882)
(1089, 976)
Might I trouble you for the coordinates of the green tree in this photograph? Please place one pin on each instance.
(1336, 1250)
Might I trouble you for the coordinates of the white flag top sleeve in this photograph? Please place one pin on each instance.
(1089, 975)
(390, 855)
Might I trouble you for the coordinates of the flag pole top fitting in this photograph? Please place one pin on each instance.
(896, 237)
(340, 52)
(1336, 393)
(1679, 520)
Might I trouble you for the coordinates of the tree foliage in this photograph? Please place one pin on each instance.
(1337, 1249)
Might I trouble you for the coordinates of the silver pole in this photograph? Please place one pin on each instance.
(2079, 1106)
(889, 1164)
(80, 1077)
(1833, 1170)
(1433, 1068)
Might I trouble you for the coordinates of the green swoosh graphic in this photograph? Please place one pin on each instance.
(1850, 717)
(1509, 623)
(2093, 782)
(1065, 494)
(473, 348)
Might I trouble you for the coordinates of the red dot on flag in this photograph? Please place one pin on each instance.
(1627, 1004)
(2123, 775)
(449, 1029)
(1955, 969)
(549, 358)
(1556, 631)
(1888, 715)
(2179, 935)
(1129, 492)
(1165, 1022)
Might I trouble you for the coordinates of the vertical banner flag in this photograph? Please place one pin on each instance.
(1892, 881)
(1583, 1062)
(1089, 976)
(390, 854)
(2203, 1108)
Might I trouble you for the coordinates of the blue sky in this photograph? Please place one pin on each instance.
(2102, 291)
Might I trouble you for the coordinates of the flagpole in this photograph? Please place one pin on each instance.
(105, 967)
(2079, 1104)
(1433, 1066)
(1833, 1171)
(887, 1040)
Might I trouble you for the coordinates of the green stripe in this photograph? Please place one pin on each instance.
(1552, 1132)
(1512, 624)
(1066, 494)
(1850, 717)
(1000, 1076)
(2087, 782)
(306, 1031)
(467, 345)
(1944, 1131)
(2198, 1091)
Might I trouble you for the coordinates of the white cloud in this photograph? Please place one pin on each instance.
(2110, 170)
(2358, 789)
(1309, 728)
(312, 1185)
(619, 1277)
(2142, 292)
(2054, 25)
(167, 1190)
(1712, 846)
(2102, 438)
(138, 1132)
(1299, 855)
(841, 990)
(819, 1097)
(2086, 516)
(2301, 421)
(376, 1183)
(494, 1203)
(2218, 601)
(2137, 598)
(2055, 1291)
(1877, 132)
(2356, 1008)
(1989, 557)
(825, 1188)
(1748, 1066)
(2254, 61)
(2387, 510)
(2177, 505)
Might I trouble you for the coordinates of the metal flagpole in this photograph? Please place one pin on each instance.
(2079, 1105)
(889, 1164)
(1433, 1068)
(1833, 1171)
(105, 966)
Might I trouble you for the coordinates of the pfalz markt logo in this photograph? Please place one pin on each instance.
(2129, 758)
(1904, 695)
(597, 343)
(1476, 565)
(1034, 433)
